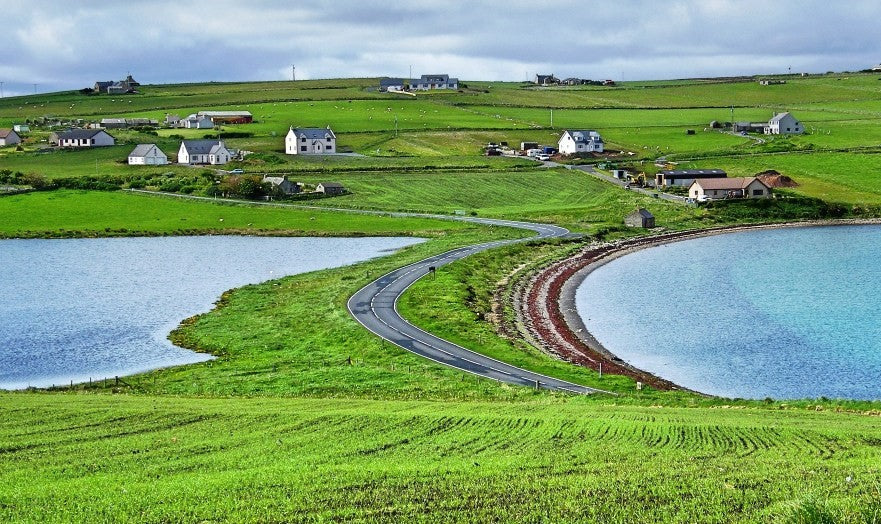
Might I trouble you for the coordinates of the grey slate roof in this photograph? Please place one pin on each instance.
(643, 212)
(386, 82)
(331, 184)
(200, 147)
(313, 133)
(583, 135)
(79, 134)
(778, 117)
(143, 149)
(693, 173)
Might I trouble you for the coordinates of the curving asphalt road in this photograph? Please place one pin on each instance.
(375, 307)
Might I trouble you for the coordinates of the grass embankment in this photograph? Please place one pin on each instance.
(150, 459)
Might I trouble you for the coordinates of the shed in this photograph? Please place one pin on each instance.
(640, 218)
(330, 188)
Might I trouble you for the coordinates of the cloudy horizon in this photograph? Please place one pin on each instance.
(53, 45)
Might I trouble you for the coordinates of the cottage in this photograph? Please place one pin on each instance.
(391, 84)
(330, 188)
(228, 117)
(85, 138)
(147, 155)
(684, 177)
(784, 124)
(283, 185)
(546, 80)
(580, 141)
(196, 122)
(428, 82)
(127, 85)
(212, 152)
(172, 120)
(640, 218)
(720, 188)
(8, 137)
(310, 141)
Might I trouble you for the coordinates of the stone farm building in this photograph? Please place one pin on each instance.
(147, 155)
(580, 141)
(721, 188)
(282, 184)
(9, 137)
(310, 141)
(212, 152)
(684, 177)
(640, 218)
(228, 117)
(85, 138)
(330, 188)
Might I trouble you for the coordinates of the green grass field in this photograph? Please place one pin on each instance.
(306, 417)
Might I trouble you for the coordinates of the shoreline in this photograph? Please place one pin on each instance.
(544, 301)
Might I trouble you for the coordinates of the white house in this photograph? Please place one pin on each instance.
(9, 137)
(147, 155)
(427, 82)
(196, 122)
(85, 138)
(310, 141)
(203, 152)
(21, 128)
(784, 124)
(391, 84)
(580, 141)
(737, 187)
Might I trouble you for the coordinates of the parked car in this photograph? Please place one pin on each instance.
(237, 171)
(543, 157)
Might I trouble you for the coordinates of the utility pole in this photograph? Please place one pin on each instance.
(1, 89)
(396, 125)
(552, 118)
(35, 88)
(293, 73)
(411, 73)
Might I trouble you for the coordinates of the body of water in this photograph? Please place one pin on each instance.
(783, 313)
(76, 309)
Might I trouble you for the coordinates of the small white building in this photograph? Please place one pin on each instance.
(147, 155)
(212, 152)
(784, 124)
(722, 188)
(196, 122)
(310, 141)
(85, 138)
(580, 141)
(8, 137)
(21, 128)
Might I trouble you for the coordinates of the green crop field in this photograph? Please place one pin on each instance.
(306, 417)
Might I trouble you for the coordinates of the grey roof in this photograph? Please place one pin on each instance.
(331, 184)
(584, 135)
(113, 120)
(778, 117)
(385, 82)
(445, 79)
(643, 212)
(79, 134)
(313, 133)
(143, 149)
(200, 147)
(693, 173)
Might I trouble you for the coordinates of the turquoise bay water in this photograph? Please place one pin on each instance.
(71, 310)
(784, 313)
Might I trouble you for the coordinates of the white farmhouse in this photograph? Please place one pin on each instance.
(196, 122)
(147, 155)
(580, 141)
(85, 138)
(203, 152)
(428, 82)
(310, 141)
(8, 137)
(784, 124)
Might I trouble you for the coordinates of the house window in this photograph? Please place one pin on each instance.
(328, 139)
(303, 139)
(758, 192)
(302, 148)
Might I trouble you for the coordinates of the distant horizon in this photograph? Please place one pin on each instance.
(57, 46)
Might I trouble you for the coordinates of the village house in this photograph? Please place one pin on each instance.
(330, 188)
(123, 123)
(196, 122)
(212, 152)
(580, 141)
(147, 155)
(720, 188)
(227, 117)
(391, 84)
(784, 124)
(8, 137)
(428, 82)
(283, 185)
(172, 120)
(310, 141)
(126, 85)
(640, 218)
(685, 177)
(546, 80)
(85, 138)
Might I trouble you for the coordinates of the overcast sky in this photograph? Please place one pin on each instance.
(69, 45)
